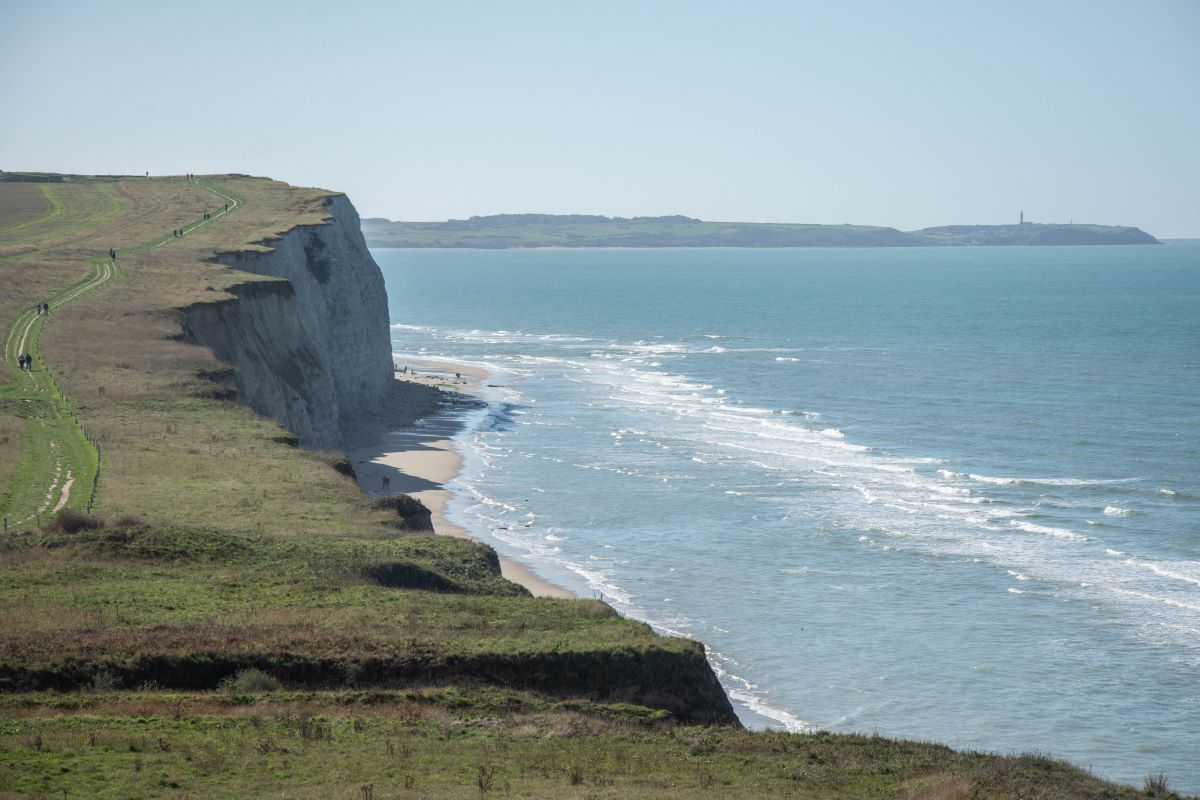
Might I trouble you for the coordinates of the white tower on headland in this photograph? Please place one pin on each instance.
(1022, 217)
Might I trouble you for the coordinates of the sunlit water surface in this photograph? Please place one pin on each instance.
(947, 494)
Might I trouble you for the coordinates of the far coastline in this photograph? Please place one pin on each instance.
(578, 231)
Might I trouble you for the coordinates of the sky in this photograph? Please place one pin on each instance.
(902, 114)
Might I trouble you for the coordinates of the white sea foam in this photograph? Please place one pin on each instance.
(1012, 481)
(1186, 571)
(855, 488)
(1115, 511)
(1061, 533)
(785, 358)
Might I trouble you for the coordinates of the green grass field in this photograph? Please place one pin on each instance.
(244, 623)
(451, 743)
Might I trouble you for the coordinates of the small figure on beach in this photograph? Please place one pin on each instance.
(458, 376)
(387, 483)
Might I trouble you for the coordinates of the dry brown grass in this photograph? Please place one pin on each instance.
(20, 203)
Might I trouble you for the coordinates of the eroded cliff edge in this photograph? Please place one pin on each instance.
(312, 349)
(308, 344)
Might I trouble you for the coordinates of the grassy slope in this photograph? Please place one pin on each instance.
(139, 622)
(456, 744)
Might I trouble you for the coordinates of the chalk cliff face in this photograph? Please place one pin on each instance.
(312, 350)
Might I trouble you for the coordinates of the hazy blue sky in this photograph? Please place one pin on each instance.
(903, 114)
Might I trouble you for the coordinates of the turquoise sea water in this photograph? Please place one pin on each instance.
(947, 494)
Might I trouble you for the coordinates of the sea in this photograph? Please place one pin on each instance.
(946, 494)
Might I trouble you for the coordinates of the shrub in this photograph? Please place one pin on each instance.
(70, 520)
(1156, 785)
(251, 680)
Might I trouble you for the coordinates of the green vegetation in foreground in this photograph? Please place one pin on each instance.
(581, 230)
(456, 743)
(245, 623)
(186, 608)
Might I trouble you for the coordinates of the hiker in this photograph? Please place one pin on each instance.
(387, 483)
(21, 361)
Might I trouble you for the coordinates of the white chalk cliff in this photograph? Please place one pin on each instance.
(311, 350)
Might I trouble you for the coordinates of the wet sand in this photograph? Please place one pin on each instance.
(419, 459)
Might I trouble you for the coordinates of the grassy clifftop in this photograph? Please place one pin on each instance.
(233, 619)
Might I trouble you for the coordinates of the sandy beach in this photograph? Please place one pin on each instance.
(419, 459)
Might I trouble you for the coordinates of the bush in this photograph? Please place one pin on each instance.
(69, 520)
(250, 680)
(1157, 786)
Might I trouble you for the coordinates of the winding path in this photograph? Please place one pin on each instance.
(58, 422)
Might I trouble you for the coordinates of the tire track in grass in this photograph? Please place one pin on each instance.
(51, 423)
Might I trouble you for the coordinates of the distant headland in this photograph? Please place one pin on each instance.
(585, 230)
